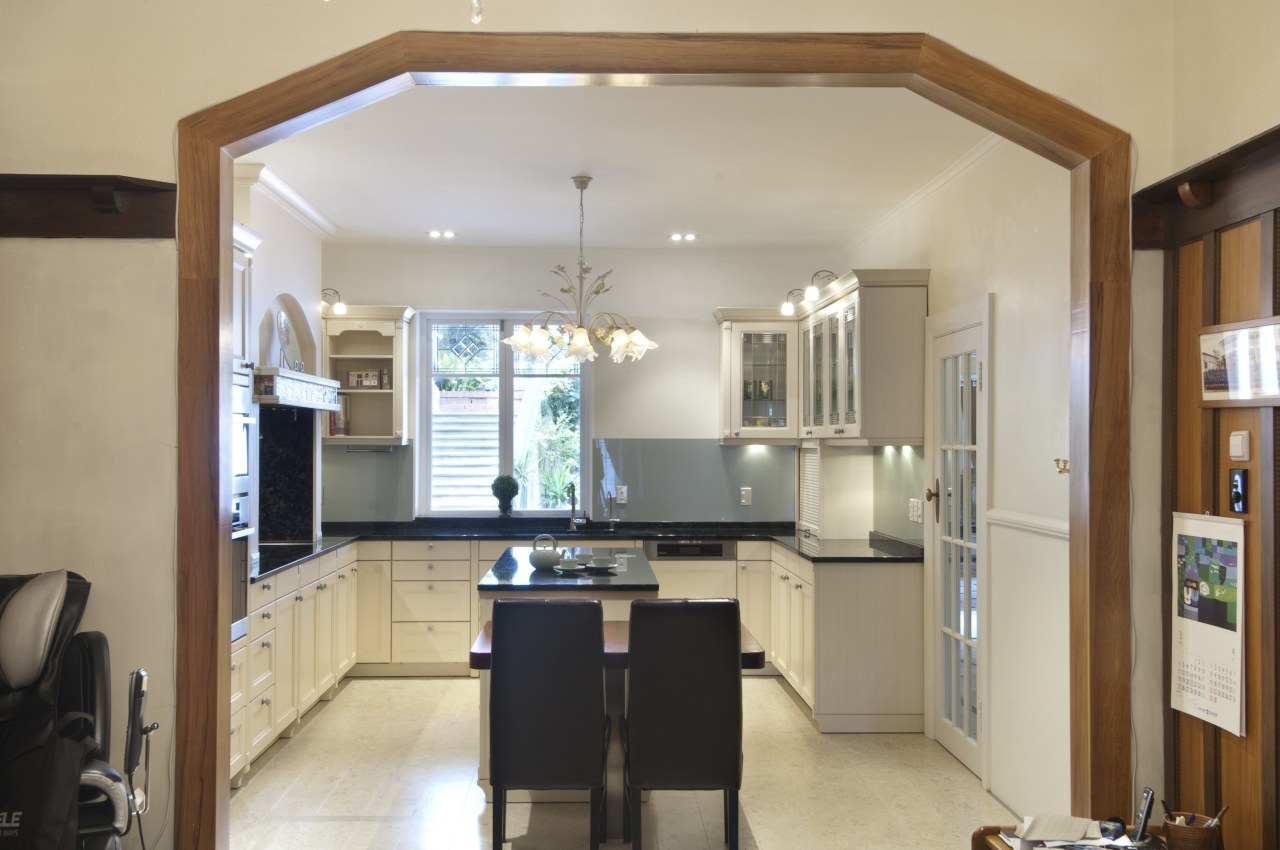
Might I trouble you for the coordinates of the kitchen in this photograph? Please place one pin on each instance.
(748, 485)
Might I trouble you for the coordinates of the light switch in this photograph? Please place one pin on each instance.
(622, 494)
(1238, 445)
(744, 495)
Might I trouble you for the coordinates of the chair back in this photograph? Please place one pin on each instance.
(684, 694)
(546, 694)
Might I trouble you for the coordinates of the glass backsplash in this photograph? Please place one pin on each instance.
(693, 480)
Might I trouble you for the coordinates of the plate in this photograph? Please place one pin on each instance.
(570, 567)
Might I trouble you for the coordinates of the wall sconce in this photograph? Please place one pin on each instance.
(333, 298)
(810, 293)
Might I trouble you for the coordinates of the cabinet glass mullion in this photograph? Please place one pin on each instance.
(764, 380)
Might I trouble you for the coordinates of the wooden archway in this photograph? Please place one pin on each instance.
(1096, 154)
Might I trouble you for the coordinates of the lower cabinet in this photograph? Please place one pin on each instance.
(302, 638)
(755, 584)
(791, 601)
(696, 579)
(373, 603)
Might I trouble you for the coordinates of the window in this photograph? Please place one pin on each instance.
(490, 411)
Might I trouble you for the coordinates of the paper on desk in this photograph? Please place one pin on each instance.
(1059, 828)
(1122, 841)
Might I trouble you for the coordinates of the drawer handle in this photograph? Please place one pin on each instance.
(431, 628)
(266, 585)
(353, 569)
(342, 576)
(266, 644)
(797, 585)
(266, 701)
(266, 615)
(323, 586)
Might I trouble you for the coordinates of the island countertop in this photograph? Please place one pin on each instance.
(513, 572)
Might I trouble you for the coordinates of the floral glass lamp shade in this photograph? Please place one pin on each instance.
(572, 330)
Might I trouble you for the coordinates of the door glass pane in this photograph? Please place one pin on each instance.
(948, 678)
(764, 380)
(833, 369)
(973, 694)
(851, 363)
(947, 566)
(546, 433)
(819, 377)
(806, 366)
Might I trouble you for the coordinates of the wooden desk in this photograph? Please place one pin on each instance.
(988, 837)
(617, 634)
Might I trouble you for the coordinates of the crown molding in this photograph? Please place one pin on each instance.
(250, 174)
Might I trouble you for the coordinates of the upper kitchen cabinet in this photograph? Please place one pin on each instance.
(367, 352)
(243, 243)
(862, 359)
(758, 377)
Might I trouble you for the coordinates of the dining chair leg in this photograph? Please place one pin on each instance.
(597, 817)
(637, 818)
(626, 814)
(731, 818)
(499, 816)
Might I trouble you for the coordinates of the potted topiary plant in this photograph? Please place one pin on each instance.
(504, 490)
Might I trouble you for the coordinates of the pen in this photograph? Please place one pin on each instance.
(1191, 820)
(1165, 806)
(1216, 819)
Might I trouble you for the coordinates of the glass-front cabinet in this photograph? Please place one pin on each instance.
(759, 375)
(862, 360)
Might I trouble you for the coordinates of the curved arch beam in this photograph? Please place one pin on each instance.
(1096, 153)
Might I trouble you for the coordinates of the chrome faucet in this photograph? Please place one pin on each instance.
(575, 522)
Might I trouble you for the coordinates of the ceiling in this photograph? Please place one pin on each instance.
(763, 168)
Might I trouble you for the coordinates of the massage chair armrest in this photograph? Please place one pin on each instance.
(104, 799)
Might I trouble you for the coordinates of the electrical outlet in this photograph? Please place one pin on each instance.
(622, 494)
(744, 495)
(911, 510)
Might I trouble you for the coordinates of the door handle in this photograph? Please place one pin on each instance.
(934, 496)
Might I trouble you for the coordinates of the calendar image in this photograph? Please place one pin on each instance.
(1206, 650)
(1208, 571)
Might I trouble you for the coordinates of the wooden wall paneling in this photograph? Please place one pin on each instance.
(1269, 515)
(1240, 293)
(1097, 152)
(1240, 758)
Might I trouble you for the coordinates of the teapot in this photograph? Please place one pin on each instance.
(544, 556)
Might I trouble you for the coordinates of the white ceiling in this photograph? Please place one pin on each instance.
(740, 167)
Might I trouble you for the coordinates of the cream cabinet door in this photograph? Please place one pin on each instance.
(286, 699)
(305, 672)
(325, 669)
(373, 617)
(754, 586)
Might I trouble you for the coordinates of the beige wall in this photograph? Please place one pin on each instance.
(70, 105)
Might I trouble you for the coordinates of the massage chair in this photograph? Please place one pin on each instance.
(58, 790)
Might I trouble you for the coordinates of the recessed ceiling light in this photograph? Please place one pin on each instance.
(683, 237)
(439, 234)
(689, 237)
(434, 234)
(448, 234)
(676, 237)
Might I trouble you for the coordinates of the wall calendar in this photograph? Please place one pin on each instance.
(1207, 639)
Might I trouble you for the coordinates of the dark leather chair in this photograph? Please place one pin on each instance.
(547, 723)
(683, 725)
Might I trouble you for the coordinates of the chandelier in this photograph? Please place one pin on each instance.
(572, 329)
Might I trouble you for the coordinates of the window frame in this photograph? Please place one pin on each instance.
(426, 320)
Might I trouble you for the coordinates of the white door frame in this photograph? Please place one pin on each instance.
(977, 313)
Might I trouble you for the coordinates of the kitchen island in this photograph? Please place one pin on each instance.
(512, 576)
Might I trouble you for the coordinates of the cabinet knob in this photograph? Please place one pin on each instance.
(298, 598)
(742, 566)
(431, 587)
(342, 576)
(431, 545)
(431, 566)
(797, 585)
(266, 700)
(266, 585)
(266, 644)
(232, 730)
(233, 666)
(322, 586)
(431, 628)
(353, 568)
(266, 615)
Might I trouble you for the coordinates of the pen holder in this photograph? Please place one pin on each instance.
(1195, 837)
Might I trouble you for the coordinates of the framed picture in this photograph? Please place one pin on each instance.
(1240, 364)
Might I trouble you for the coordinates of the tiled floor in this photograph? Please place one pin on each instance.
(391, 764)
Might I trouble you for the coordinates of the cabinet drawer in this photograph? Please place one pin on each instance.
(286, 582)
(431, 570)
(262, 621)
(429, 642)
(239, 736)
(753, 550)
(428, 550)
(260, 721)
(430, 600)
(239, 677)
(262, 592)
(262, 663)
(374, 550)
(491, 550)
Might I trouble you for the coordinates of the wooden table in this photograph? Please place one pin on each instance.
(988, 837)
(617, 634)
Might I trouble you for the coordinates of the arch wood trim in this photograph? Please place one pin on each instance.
(1097, 153)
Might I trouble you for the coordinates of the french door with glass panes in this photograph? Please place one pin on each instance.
(956, 497)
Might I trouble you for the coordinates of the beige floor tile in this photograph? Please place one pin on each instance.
(391, 764)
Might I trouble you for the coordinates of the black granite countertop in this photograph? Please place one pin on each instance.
(497, 528)
(513, 572)
(877, 548)
(274, 557)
